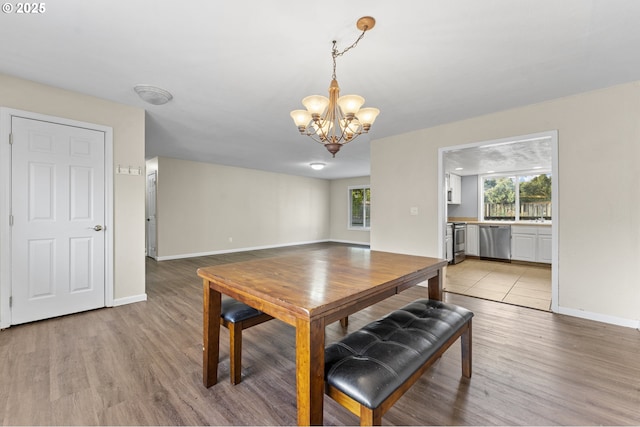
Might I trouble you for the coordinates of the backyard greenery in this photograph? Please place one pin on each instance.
(521, 197)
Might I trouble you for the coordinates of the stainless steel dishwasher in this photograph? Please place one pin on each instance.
(495, 242)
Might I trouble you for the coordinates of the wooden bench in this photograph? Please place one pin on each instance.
(236, 316)
(370, 369)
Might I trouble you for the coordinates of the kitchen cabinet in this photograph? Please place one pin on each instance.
(472, 240)
(531, 243)
(544, 245)
(523, 247)
(454, 189)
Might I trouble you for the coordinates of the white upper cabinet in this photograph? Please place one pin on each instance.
(454, 189)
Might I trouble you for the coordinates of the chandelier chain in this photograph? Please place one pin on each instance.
(335, 53)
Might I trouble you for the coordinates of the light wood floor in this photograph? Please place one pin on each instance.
(512, 283)
(140, 364)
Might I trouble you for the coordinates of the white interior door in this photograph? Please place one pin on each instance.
(151, 215)
(58, 214)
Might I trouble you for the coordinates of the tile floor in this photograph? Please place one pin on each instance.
(528, 286)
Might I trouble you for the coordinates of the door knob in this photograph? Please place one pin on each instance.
(98, 228)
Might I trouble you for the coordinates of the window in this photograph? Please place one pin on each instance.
(535, 197)
(516, 197)
(359, 207)
(499, 198)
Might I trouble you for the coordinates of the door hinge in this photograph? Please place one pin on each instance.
(10, 139)
(10, 302)
(10, 220)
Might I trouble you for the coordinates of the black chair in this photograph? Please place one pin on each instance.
(236, 316)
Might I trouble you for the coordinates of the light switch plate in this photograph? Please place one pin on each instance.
(122, 170)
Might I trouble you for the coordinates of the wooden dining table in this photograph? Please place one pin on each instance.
(309, 290)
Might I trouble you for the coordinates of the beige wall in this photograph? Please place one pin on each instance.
(128, 149)
(340, 211)
(202, 205)
(599, 193)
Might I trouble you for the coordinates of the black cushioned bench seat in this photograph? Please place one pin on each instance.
(369, 369)
(233, 310)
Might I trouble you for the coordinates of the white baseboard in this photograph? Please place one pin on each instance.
(129, 300)
(349, 242)
(598, 317)
(229, 251)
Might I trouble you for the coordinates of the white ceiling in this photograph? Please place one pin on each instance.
(514, 156)
(237, 68)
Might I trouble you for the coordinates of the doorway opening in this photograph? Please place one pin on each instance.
(472, 165)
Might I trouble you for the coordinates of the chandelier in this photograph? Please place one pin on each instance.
(336, 120)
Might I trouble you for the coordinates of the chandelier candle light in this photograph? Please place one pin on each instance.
(336, 120)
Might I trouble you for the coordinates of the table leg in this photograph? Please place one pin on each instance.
(435, 286)
(210, 334)
(344, 322)
(310, 371)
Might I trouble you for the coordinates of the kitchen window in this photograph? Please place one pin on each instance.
(359, 207)
(516, 197)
